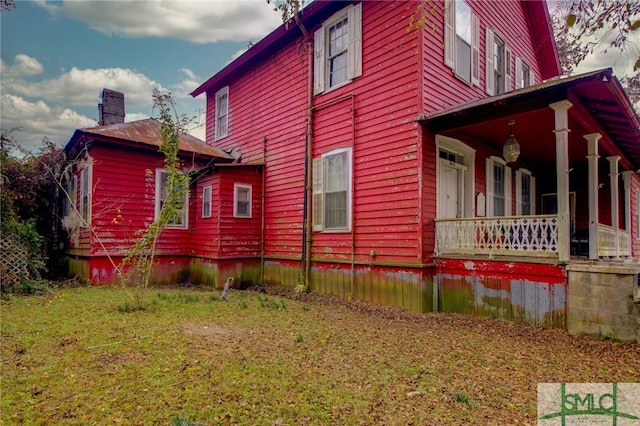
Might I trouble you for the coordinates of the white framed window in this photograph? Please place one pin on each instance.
(222, 113)
(498, 64)
(462, 41)
(180, 220)
(241, 200)
(525, 193)
(498, 181)
(332, 191)
(338, 49)
(524, 76)
(85, 193)
(206, 201)
(70, 202)
(637, 215)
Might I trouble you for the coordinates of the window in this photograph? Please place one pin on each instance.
(498, 64)
(70, 201)
(162, 188)
(338, 49)
(525, 193)
(332, 191)
(498, 187)
(241, 200)
(524, 75)
(462, 41)
(85, 193)
(206, 201)
(222, 113)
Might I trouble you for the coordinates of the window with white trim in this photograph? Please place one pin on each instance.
(525, 193)
(498, 176)
(637, 214)
(70, 200)
(523, 75)
(162, 188)
(332, 191)
(222, 113)
(85, 193)
(498, 70)
(206, 201)
(338, 49)
(462, 41)
(241, 200)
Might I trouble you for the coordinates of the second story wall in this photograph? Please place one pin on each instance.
(474, 49)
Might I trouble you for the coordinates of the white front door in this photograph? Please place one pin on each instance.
(449, 191)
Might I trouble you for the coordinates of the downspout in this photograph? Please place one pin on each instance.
(308, 195)
(353, 191)
(264, 166)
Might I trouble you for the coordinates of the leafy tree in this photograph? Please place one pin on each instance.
(591, 25)
(6, 5)
(28, 205)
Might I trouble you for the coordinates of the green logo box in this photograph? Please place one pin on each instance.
(616, 404)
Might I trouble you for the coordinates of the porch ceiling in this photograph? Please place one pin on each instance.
(599, 105)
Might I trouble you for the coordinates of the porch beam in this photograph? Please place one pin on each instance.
(615, 216)
(592, 159)
(561, 131)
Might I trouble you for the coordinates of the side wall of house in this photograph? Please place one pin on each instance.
(122, 206)
(373, 116)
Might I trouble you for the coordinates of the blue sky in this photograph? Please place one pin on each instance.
(57, 56)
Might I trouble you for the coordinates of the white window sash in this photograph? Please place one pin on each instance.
(206, 202)
(354, 50)
(507, 68)
(237, 188)
(222, 131)
(318, 194)
(159, 201)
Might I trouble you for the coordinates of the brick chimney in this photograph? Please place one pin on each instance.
(111, 110)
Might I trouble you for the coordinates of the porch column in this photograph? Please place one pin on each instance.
(592, 158)
(615, 216)
(561, 109)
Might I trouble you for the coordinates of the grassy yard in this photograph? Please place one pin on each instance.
(73, 357)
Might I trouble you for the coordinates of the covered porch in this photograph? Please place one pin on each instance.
(575, 193)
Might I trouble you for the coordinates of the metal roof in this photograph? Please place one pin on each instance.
(146, 133)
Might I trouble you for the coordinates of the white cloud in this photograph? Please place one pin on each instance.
(188, 84)
(23, 66)
(38, 119)
(81, 87)
(195, 21)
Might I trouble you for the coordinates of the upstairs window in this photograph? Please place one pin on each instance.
(461, 41)
(222, 113)
(241, 200)
(498, 64)
(498, 176)
(338, 49)
(179, 221)
(332, 191)
(523, 74)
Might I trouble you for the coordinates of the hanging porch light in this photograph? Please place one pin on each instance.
(511, 148)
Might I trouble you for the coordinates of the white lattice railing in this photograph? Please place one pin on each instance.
(607, 236)
(505, 235)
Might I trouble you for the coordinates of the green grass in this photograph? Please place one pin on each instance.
(77, 356)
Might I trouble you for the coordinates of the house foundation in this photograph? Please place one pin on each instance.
(603, 301)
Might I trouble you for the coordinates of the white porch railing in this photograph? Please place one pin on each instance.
(607, 236)
(504, 235)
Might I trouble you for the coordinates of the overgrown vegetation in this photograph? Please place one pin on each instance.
(190, 358)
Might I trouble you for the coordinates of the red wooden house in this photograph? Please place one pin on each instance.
(432, 158)
(116, 190)
(426, 157)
